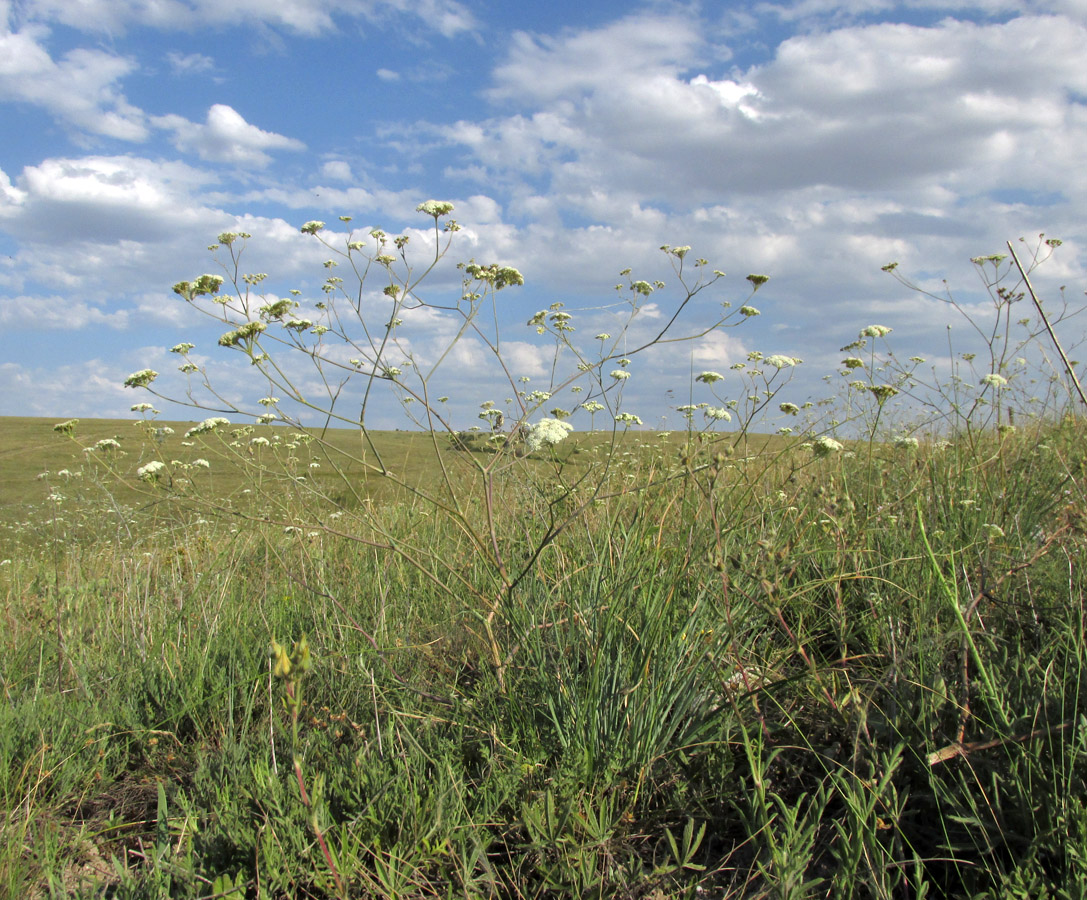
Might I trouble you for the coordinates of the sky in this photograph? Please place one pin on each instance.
(811, 141)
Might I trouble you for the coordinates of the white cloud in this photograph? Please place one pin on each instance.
(226, 137)
(861, 108)
(305, 17)
(56, 313)
(80, 89)
(190, 63)
(337, 170)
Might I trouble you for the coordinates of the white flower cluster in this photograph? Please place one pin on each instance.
(782, 362)
(824, 446)
(207, 426)
(151, 471)
(709, 377)
(141, 378)
(547, 433)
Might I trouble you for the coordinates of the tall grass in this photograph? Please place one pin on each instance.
(814, 680)
(712, 665)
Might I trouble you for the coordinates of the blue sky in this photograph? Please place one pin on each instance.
(811, 141)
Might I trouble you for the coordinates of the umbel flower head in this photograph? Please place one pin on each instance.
(709, 377)
(207, 426)
(547, 433)
(151, 471)
(435, 208)
(141, 378)
(825, 446)
(782, 362)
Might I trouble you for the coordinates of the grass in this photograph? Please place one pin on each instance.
(783, 677)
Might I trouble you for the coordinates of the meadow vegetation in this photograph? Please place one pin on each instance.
(247, 658)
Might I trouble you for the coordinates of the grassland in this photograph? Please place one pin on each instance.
(650, 668)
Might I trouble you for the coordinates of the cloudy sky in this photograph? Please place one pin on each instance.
(811, 141)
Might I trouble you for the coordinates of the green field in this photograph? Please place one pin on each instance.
(654, 667)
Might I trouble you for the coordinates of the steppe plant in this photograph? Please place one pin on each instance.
(365, 345)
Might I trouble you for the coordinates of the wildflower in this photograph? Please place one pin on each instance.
(208, 425)
(710, 377)
(749, 311)
(246, 332)
(917, 359)
(151, 471)
(717, 413)
(391, 372)
(268, 401)
(1005, 429)
(201, 464)
(824, 446)
(142, 407)
(538, 396)
(851, 362)
(592, 406)
(758, 281)
(188, 368)
(266, 418)
(259, 442)
(994, 380)
(882, 392)
(66, 427)
(875, 331)
(628, 419)
(435, 208)
(107, 444)
(312, 227)
(620, 374)
(995, 531)
(790, 409)
(782, 362)
(603, 336)
(182, 348)
(141, 378)
(547, 433)
(298, 324)
(906, 443)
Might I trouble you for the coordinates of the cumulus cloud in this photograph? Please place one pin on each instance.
(305, 17)
(225, 136)
(80, 89)
(55, 313)
(618, 108)
(337, 170)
